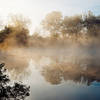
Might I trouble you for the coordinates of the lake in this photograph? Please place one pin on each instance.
(56, 75)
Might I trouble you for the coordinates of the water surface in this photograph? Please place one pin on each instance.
(57, 75)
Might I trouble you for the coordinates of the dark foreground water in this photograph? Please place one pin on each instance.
(57, 77)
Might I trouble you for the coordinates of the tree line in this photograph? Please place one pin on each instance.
(57, 26)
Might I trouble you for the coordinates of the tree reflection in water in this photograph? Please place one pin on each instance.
(84, 72)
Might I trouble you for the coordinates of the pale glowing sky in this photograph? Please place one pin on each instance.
(37, 9)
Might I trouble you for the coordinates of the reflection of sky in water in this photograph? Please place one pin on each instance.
(42, 90)
(95, 84)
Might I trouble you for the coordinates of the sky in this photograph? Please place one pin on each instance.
(36, 10)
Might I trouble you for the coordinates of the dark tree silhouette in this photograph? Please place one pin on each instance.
(17, 91)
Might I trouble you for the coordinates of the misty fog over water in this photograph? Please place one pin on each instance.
(71, 73)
